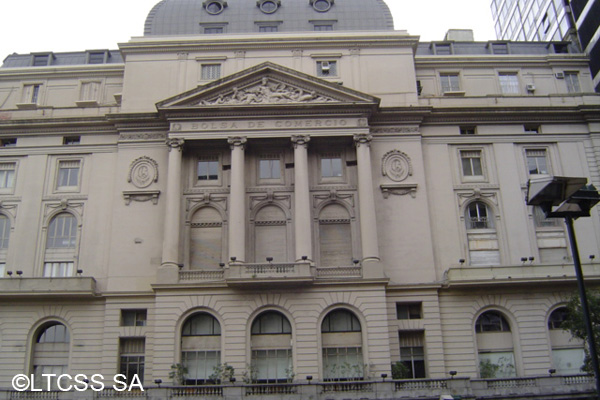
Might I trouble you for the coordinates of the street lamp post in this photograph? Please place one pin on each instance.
(569, 198)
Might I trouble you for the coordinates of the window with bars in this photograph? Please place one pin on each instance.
(7, 175)
(210, 71)
(68, 174)
(132, 358)
(471, 163)
(537, 161)
(412, 353)
(478, 216)
(509, 82)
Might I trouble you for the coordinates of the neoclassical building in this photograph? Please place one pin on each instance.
(293, 191)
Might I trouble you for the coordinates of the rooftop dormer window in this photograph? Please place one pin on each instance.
(268, 6)
(321, 5)
(214, 6)
(41, 60)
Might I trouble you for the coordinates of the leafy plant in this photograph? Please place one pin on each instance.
(178, 373)
(290, 374)
(574, 323)
(487, 369)
(222, 373)
(400, 371)
(250, 374)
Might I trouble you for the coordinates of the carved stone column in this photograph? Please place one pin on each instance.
(237, 200)
(170, 254)
(302, 220)
(368, 223)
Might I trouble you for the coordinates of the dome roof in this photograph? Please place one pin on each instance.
(192, 17)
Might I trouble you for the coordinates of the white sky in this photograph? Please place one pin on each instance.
(75, 25)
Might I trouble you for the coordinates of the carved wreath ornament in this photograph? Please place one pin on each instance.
(143, 172)
(396, 165)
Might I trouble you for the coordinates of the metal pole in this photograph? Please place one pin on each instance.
(584, 303)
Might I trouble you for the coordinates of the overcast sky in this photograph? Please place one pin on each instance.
(75, 25)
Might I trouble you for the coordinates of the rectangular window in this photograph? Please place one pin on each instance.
(269, 168)
(450, 83)
(342, 363)
(133, 317)
(326, 27)
(210, 72)
(572, 81)
(412, 353)
(500, 48)
(326, 68)
(509, 83)
(31, 94)
(41, 60)
(471, 163)
(537, 162)
(89, 91)
(7, 175)
(96, 57)
(131, 351)
(68, 174)
(8, 142)
(213, 30)
(200, 366)
(272, 365)
(528, 128)
(540, 220)
(58, 269)
(467, 130)
(267, 28)
(331, 167)
(71, 140)
(208, 170)
(409, 310)
(443, 49)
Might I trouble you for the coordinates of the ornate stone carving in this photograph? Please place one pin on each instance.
(300, 140)
(176, 144)
(395, 130)
(143, 172)
(237, 141)
(141, 195)
(476, 194)
(399, 189)
(143, 136)
(267, 91)
(63, 205)
(362, 138)
(396, 165)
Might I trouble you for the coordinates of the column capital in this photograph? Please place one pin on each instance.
(176, 144)
(300, 140)
(235, 141)
(363, 138)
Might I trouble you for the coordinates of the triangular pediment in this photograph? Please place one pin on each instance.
(267, 85)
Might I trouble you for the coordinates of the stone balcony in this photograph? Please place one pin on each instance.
(546, 387)
(37, 287)
(514, 274)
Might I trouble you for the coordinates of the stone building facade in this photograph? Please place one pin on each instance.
(321, 201)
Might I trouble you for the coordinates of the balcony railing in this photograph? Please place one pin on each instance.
(259, 273)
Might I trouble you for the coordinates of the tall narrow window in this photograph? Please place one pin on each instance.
(200, 348)
(61, 243)
(206, 239)
(132, 358)
(412, 353)
(31, 93)
(341, 338)
(482, 238)
(270, 235)
(495, 346)
(50, 352)
(572, 81)
(335, 237)
(68, 174)
(271, 348)
(7, 175)
(509, 83)
(477, 214)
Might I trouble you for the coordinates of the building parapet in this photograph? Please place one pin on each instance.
(36, 287)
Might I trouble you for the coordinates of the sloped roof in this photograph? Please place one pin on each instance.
(189, 17)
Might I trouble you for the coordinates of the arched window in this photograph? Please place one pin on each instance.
(484, 247)
(271, 343)
(335, 237)
(61, 246)
(200, 348)
(478, 216)
(495, 346)
(206, 239)
(270, 235)
(341, 337)
(50, 352)
(567, 351)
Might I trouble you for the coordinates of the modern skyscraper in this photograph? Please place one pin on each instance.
(577, 21)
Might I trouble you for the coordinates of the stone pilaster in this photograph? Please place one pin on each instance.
(170, 254)
(302, 219)
(237, 200)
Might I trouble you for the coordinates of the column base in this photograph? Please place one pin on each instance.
(372, 268)
(168, 272)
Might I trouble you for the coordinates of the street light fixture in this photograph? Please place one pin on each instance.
(569, 198)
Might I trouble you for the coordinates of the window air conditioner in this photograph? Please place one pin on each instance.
(530, 87)
(325, 66)
(560, 75)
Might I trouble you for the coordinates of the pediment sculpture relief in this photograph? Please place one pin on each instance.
(267, 91)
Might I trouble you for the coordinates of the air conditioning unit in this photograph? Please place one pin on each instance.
(560, 75)
(325, 67)
(530, 87)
